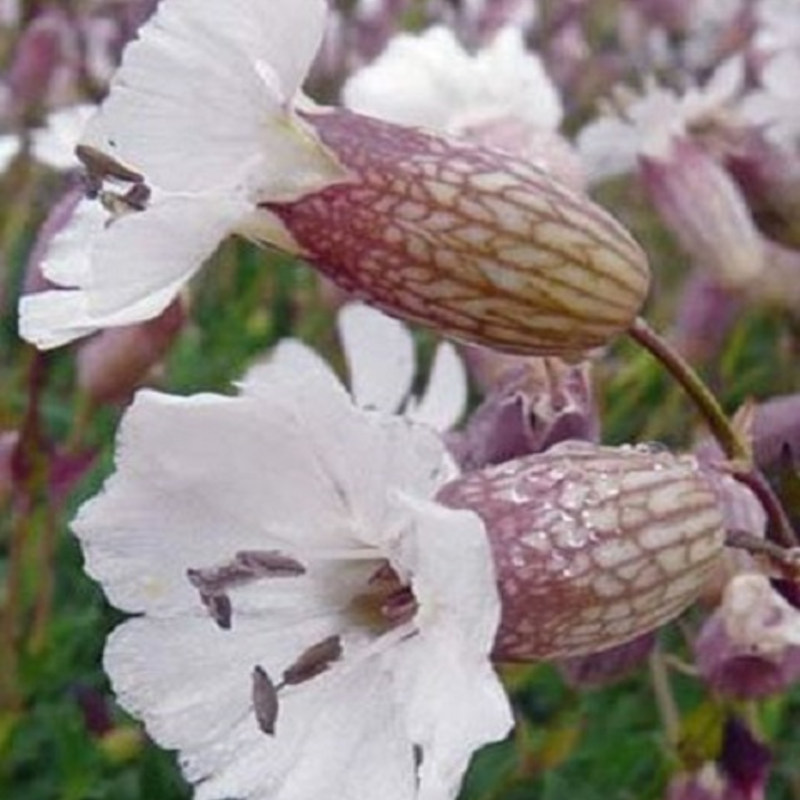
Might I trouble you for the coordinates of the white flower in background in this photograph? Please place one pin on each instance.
(54, 144)
(382, 368)
(662, 137)
(206, 133)
(9, 148)
(649, 124)
(776, 105)
(500, 96)
(778, 27)
(431, 80)
(311, 623)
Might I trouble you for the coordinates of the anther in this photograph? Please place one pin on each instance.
(265, 701)
(314, 661)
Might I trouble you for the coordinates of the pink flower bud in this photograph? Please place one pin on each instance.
(535, 404)
(477, 243)
(750, 647)
(40, 52)
(114, 363)
(706, 313)
(593, 546)
(776, 430)
(703, 207)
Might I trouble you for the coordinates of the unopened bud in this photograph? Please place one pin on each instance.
(593, 546)
(475, 242)
(704, 208)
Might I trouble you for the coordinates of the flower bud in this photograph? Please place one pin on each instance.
(536, 403)
(704, 208)
(475, 242)
(593, 546)
(750, 647)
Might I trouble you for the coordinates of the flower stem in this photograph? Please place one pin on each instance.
(707, 404)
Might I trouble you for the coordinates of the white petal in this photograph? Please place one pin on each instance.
(430, 80)
(337, 734)
(415, 81)
(201, 101)
(445, 398)
(54, 145)
(514, 81)
(452, 700)
(290, 465)
(609, 148)
(9, 147)
(128, 272)
(379, 352)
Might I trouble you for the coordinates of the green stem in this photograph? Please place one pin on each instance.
(730, 441)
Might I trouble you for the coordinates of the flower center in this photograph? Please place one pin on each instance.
(386, 604)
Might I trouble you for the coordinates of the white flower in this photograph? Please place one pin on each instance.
(205, 133)
(380, 358)
(311, 623)
(430, 80)
(776, 106)
(198, 127)
(649, 124)
(9, 148)
(54, 144)
(778, 26)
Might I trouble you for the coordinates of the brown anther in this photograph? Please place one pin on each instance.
(265, 701)
(100, 165)
(220, 608)
(399, 607)
(314, 661)
(137, 197)
(269, 564)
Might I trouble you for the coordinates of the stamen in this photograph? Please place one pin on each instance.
(270, 563)
(247, 566)
(314, 661)
(265, 701)
(100, 165)
(399, 607)
(220, 608)
(137, 197)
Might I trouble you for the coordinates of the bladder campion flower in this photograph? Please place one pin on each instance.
(311, 621)
(205, 133)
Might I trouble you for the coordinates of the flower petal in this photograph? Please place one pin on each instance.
(54, 145)
(264, 471)
(451, 699)
(192, 685)
(445, 398)
(379, 352)
(202, 98)
(124, 272)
